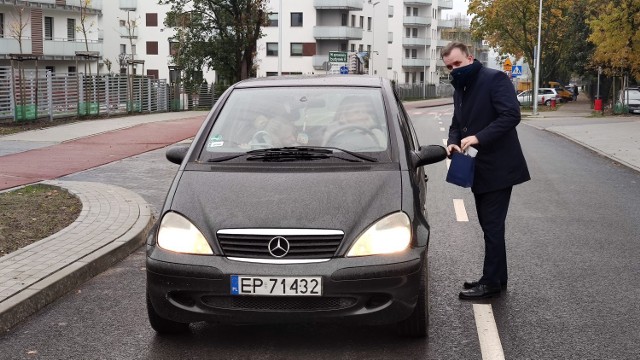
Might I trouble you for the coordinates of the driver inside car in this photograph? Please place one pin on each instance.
(354, 115)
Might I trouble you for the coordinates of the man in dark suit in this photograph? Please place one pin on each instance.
(486, 113)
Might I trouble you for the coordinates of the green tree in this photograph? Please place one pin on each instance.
(511, 26)
(616, 36)
(217, 34)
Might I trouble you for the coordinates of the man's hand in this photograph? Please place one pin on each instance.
(451, 149)
(468, 141)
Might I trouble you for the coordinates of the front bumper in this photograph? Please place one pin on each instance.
(365, 290)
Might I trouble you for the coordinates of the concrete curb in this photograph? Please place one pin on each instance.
(48, 284)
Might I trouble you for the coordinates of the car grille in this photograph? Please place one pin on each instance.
(277, 303)
(252, 244)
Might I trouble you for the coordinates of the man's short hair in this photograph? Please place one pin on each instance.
(454, 45)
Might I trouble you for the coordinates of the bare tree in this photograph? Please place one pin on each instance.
(16, 30)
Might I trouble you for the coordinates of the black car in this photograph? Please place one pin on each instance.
(301, 199)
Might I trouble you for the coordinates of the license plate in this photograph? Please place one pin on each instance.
(276, 286)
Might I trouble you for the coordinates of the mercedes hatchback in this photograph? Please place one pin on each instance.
(301, 199)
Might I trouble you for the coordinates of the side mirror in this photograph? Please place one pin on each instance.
(177, 153)
(430, 154)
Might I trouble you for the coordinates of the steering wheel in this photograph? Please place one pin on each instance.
(349, 127)
(261, 139)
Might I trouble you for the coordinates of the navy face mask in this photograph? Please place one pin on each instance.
(462, 75)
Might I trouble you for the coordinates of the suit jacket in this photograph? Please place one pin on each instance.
(488, 108)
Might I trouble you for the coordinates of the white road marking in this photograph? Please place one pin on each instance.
(490, 345)
(441, 129)
(444, 141)
(417, 113)
(461, 212)
(439, 122)
(448, 162)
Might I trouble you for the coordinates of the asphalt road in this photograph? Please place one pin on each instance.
(572, 245)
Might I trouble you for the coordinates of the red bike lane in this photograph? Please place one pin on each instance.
(88, 152)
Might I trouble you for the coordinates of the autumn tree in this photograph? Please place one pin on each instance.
(615, 34)
(511, 26)
(217, 34)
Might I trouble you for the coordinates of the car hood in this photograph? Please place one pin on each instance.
(341, 200)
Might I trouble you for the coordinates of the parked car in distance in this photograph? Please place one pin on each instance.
(301, 199)
(545, 96)
(565, 94)
(630, 97)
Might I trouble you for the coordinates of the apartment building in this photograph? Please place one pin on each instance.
(400, 39)
(49, 30)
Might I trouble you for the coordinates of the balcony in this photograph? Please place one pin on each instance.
(10, 46)
(415, 42)
(94, 4)
(416, 21)
(65, 50)
(128, 4)
(389, 63)
(338, 4)
(445, 4)
(449, 24)
(413, 63)
(318, 61)
(128, 33)
(418, 2)
(442, 43)
(440, 63)
(71, 5)
(337, 33)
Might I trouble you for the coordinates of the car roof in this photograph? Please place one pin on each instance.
(312, 80)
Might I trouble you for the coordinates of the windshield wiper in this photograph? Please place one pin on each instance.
(291, 153)
(314, 150)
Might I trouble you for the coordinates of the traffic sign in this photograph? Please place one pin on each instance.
(516, 70)
(337, 56)
(344, 70)
(507, 65)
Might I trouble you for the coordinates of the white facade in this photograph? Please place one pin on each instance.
(402, 37)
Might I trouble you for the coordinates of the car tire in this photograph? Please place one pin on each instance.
(547, 103)
(162, 325)
(417, 324)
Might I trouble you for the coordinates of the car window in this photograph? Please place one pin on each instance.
(258, 118)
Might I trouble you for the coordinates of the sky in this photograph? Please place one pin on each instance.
(459, 7)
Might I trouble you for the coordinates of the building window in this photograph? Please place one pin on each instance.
(123, 48)
(122, 23)
(415, 13)
(369, 49)
(360, 48)
(273, 19)
(71, 70)
(389, 63)
(1, 25)
(345, 20)
(408, 32)
(353, 47)
(353, 21)
(390, 37)
(152, 20)
(406, 78)
(408, 11)
(414, 32)
(296, 49)
(369, 23)
(152, 48)
(174, 47)
(343, 46)
(48, 28)
(296, 19)
(71, 29)
(51, 69)
(414, 53)
(272, 73)
(407, 53)
(152, 73)
(272, 49)
(133, 50)
(361, 22)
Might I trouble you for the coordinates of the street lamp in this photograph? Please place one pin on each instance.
(373, 38)
(537, 76)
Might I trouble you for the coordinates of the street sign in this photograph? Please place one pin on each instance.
(516, 70)
(507, 65)
(337, 56)
(344, 70)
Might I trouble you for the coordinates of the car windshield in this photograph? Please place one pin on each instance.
(345, 120)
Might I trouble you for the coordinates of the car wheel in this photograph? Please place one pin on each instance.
(162, 325)
(417, 324)
(547, 103)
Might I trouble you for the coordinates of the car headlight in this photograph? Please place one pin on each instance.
(178, 234)
(388, 235)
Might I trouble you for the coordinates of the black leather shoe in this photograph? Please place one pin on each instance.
(481, 291)
(472, 284)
